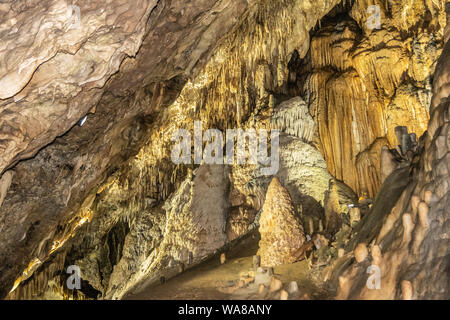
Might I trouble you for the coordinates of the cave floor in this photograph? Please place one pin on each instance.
(214, 281)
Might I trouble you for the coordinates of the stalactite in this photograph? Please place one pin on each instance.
(293, 118)
(359, 93)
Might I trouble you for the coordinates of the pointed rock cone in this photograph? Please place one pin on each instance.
(256, 262)
(423, 214)
(223, 258)
(407, 290)
(284, 295)
(281, 234)
(293, 287)
(361, 252)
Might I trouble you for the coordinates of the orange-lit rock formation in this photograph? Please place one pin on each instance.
(411, 246)
(106, 195)
(281, 233)
(363, 82)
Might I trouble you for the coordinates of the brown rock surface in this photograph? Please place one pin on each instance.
(238, 222)
(46, 89)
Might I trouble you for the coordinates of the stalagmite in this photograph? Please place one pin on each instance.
(284, 295)
(293, 117)
(387, 163)
(423, 214)
(109, 197)
(344, 287)
(408, 226)
(223, 258)
(281, 234)
(5, 182)
(256, 262)
(361, 252)
(428, 197)
(409, 249)
(355, 215)
(407, 290)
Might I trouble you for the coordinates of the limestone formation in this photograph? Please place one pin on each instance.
(256, 262)
(414, 234)
(5, 183)
(293, 287)
(293, 118)
(281, 233)
(284, 295)
(407, 290)
(355, 215)
(388, 163)
(239, 220)
(376, 255)
(223, 258)
(358, 93)
(261, 289)
(129, 129)
(361, 252)
(91, 94)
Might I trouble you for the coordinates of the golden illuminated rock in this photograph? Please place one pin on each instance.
(361, 252)
(281, 234)
(359, 91)
(108, 190)
(223, 258)
(410, 240)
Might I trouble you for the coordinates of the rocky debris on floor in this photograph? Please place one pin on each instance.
(275, 284)
(284, 295)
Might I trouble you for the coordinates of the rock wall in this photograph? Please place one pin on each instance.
(92, 48)
(411, 245)
(107, 197)
(82, 164)
(363, 80)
